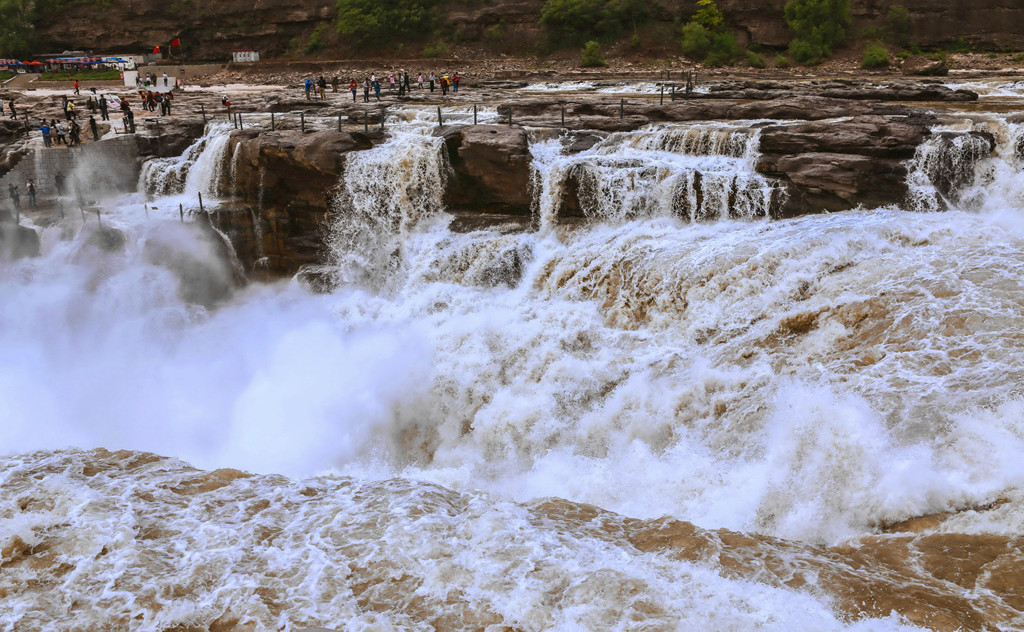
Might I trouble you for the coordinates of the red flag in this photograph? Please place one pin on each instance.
(175, 42)
(156, 50)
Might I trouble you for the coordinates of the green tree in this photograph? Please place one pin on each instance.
(17, 32)
(580, 20)
(818, 25)
(377, 22)
(591, 57)
(706, 37)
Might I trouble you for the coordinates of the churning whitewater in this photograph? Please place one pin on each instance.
(397, 449)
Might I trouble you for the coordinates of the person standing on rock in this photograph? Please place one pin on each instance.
(44, 129)
(71, 114)
(76, 87)
(376, 90)
(14, 113)
(94, 128)
(353, 86)
(408, 88)
(419, 81)
(334, 83)
(103, 108)
(75, 134)
(308, 85)
(56, 127)
(432, 78)
(168, 98)
(366, 90)
(455, 82)
(32, 194)
(322, 84)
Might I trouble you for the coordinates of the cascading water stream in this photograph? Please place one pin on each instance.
(383, 193)
(694, 172)
(202, 168)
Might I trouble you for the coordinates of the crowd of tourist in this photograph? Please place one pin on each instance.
(400, 83)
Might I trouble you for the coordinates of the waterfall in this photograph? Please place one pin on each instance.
(384, 193)
(696, 172)
(202, 168)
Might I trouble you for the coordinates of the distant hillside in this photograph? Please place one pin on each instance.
(298, 28)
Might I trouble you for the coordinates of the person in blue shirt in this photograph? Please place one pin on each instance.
(45, 129)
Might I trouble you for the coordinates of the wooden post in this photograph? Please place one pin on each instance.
(202, 109)
(440, 121)
(181, 212)
(145, 208)
(201, 209)
(302, 120)
(339, 122)
(382, 111)
(509, 113)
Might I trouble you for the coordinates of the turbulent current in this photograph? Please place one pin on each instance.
(637, 422)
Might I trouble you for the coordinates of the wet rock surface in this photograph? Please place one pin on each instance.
(854, 89)
(836, 166)
(491, 168)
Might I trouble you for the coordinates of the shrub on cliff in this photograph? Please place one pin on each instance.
(818, 25)
(875, 56)
(706, 38)
(591, 56)
(375, 23)
(580, 20)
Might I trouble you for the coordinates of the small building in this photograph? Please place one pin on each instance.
(245, 55)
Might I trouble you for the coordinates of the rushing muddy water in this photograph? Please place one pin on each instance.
(811, 380)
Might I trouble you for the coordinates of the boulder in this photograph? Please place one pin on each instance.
(853, 89)
(881, 136)
(839, 165)
(287, 180)
(819, 182)
(491, 168)
(919, 66)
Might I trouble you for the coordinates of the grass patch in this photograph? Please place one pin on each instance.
(109, 74)
(6, 74)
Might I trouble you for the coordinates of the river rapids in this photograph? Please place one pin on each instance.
(633, 422)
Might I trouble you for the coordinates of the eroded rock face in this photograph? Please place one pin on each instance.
(210, 30)
(287, 180)
(837, 166)
(491, 168)
(168, 136)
